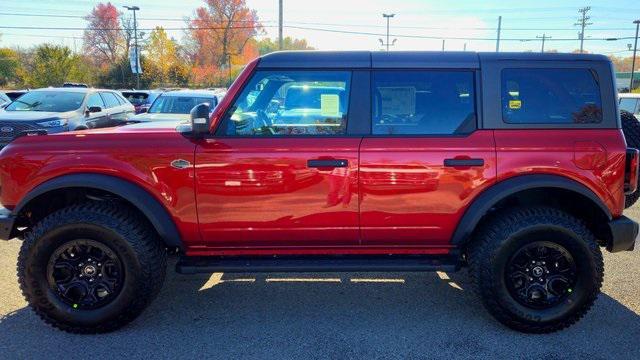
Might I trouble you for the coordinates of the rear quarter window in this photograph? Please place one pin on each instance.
(550, 96)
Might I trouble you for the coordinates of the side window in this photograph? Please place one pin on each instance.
(630, 104)
(110, 100)
(95, 100)
(423, 102)
(550, 96)
(290, 103)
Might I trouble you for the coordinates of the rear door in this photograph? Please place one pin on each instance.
(282, 168)
(425, 160)
(117, 113)
(97, 119)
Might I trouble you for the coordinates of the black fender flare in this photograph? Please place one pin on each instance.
(139, 197)
(501, 190)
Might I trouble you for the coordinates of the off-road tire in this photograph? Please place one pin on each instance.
(631, 130)
(500, 237)
(122, 230)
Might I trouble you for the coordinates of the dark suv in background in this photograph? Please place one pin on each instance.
(57, 110)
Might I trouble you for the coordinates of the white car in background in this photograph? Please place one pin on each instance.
(630, 102)
(176, 105)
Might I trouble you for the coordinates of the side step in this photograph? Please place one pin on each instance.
(344, 263)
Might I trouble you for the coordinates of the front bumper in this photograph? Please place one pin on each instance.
(6, 224)
(624, 232)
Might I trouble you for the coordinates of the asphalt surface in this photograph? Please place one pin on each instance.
(331, 316)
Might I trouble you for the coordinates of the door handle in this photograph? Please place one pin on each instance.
(327, 163)
(463, 162)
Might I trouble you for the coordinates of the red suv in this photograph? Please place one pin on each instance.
(511, 165)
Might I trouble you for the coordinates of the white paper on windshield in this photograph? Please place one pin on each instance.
(329, 105)
(398, 100)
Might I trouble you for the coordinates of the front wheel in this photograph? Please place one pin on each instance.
(536, 270)
(91, 268)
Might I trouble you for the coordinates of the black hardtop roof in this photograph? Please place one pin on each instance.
(407, 59)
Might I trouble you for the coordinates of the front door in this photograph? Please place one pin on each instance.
(280, 170)
(425, 161)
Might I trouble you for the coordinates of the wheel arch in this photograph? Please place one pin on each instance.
(138, 197)
(578, 200)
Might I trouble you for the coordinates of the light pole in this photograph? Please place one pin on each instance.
(135, 41)
(387, 44)
(635, 48)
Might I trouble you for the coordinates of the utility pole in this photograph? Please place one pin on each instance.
(465, 47)
(280, 27)
(135, 41)
(387, 44)
(543, 37)
(582, 22)
(443, 40)
(498, 38)
(635, 48)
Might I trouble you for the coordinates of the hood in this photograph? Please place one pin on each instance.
(159, 117)
(143, 127)
(33, 115)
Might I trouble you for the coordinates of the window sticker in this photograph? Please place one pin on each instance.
(398, 100)
(329, 105)
(515, 104)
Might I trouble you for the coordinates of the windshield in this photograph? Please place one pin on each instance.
(47, 101)
(178, 104)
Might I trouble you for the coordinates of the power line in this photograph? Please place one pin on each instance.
(320, 30)
(338, 24)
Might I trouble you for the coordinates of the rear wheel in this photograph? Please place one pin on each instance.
(91, 268)
(536, 270)
(631, 130)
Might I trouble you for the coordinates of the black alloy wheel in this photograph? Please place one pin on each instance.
(541, 274)
(85, 274)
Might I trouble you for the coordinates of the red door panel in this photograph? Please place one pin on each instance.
(409, 197)
(278, 192)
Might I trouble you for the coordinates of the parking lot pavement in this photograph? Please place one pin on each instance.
(351, 315)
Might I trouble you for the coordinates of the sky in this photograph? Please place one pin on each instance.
(359, 25)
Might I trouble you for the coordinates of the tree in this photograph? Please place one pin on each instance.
(9, 66)
(622, 64)
(52, 65)
(267, 45)
(161, 54)
(103, 37)
(221, 30)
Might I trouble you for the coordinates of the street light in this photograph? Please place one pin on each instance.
(633, 62)
(388, 16)
(135, 39)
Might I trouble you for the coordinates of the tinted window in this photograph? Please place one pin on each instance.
(95, 100)
(291, 103)
(136, 98)
(550, 96)
(47, 101)
(630, 105)
(110, 100)
(179, 104)
(423, 102)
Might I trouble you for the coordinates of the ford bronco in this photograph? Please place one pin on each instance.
(511, 165)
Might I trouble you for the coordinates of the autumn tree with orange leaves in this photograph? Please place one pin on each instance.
(103, 37)
(221, 32)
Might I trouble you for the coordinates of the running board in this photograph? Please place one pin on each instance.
(345, 263)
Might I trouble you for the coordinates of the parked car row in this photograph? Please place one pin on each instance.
(78, 107)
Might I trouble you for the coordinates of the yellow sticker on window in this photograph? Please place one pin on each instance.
(329, 104)
(515, 104)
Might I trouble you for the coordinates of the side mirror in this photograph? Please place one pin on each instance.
(200, 120)
(143, 110)
(94, 109)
